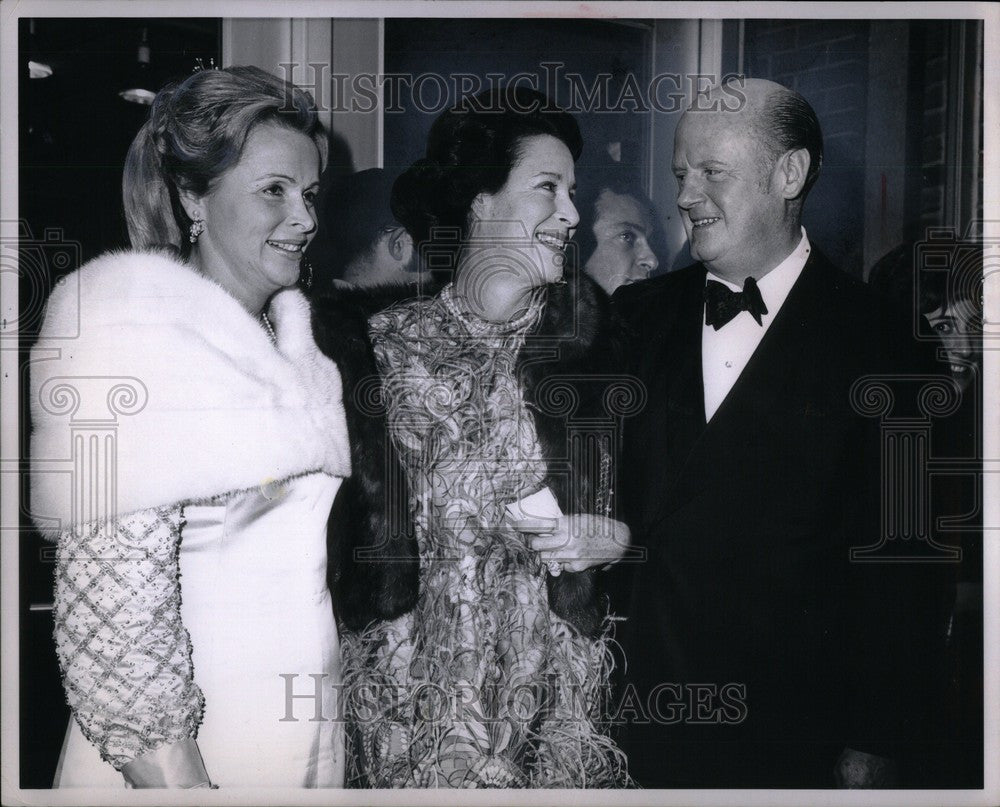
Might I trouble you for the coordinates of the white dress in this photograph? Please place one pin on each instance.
(255, 602)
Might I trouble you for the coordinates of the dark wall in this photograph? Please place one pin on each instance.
(827, 62)
(507, 47)
(933, 97)
(75, 129)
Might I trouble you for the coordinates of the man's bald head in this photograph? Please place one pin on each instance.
(744, 157)
(778, 118)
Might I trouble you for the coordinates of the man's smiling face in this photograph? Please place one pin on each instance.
(730, 206)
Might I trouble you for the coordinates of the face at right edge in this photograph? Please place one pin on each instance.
(957, 326)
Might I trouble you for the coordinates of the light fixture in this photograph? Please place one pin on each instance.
(38, 70)
(138, 89)
(37, 67)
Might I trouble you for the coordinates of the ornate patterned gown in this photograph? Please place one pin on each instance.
(481, 685)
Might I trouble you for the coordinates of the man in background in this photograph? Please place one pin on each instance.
(360, 244)
(618, 235)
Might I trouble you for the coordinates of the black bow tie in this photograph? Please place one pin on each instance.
(722, 303)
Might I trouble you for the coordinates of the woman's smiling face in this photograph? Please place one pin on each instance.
(521, 231)
(259, 215)
(959, 325)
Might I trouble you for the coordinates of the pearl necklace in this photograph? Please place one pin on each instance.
(269, 328)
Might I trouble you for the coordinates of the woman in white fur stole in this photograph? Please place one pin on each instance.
(205, 439)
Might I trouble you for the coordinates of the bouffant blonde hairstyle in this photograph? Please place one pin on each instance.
(197, 129)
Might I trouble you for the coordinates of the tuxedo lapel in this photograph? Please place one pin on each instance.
(676, 379)
(765, 382)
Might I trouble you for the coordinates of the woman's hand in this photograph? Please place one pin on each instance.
(576, 542)
(859, 770)
(176, 764)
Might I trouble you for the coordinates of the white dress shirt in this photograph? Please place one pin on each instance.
(725, 352)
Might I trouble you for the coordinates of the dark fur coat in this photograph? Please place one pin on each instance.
(374, 560)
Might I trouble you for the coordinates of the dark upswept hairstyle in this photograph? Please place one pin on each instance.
(197, 129)
(897, 278)
(789, 122)
(471, 149)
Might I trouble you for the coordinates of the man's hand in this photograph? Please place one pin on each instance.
(858, 770)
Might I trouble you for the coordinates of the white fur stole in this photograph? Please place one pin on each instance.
(152, 386)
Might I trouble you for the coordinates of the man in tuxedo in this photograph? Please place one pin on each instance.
(758, 653)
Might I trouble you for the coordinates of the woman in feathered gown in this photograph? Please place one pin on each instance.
(480, 655)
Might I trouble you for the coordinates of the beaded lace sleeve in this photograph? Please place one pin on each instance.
(124, 653)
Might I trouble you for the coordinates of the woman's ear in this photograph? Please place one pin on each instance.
(192, 204)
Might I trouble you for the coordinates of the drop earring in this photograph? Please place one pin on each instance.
(197, 228)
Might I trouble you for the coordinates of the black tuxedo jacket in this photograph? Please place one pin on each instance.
(755, 649)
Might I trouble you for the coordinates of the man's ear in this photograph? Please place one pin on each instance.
(791, 171)
(192, 205)
(400, 245)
